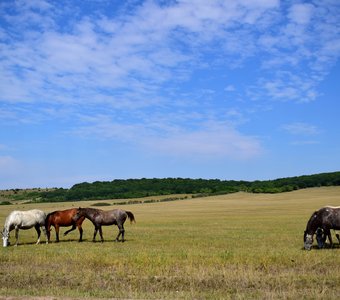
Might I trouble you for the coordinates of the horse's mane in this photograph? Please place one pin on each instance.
(313, 214)
(330, 206)
(10, 217)
(92, 208)
(312, 218)
(49, 214)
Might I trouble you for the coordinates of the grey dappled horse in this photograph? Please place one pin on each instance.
(23, 220)
(326, 218)
(101, 218)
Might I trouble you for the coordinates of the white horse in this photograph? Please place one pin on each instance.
(24, 220)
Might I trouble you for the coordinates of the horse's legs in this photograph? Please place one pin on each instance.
(121, 232)
(48, 233)
(37, 228)
(338, 237)
(95, 233)
(74, 226)
(101, 233)
(56, 233)
(45, 232)
(80, 233)
(329, 235)
(16, 236)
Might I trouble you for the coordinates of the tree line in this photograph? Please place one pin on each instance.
(136, 188)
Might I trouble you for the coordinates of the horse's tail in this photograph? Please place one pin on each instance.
(131, 216)
(48, 222)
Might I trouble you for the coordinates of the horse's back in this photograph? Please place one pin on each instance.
(327, 210)
(110, 217)
(26, 218)
(36, 214)
(121, 215)
(330, 216)
(63, 217)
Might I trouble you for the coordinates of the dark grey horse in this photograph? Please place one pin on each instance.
(326, 218)
(320, 237)
(101, 218)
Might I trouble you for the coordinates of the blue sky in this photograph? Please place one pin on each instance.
(100, 90)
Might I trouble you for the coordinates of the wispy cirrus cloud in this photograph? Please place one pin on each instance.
(300, 128)
(206, 140)
(304, 134)
(210, 142)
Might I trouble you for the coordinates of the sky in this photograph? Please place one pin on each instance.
(230, 90)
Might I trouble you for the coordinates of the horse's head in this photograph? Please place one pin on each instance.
(320, 237)
(5, 237)
(308, 240)
(77, 215)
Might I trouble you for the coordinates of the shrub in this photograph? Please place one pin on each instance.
(101, 204)
(5, 203)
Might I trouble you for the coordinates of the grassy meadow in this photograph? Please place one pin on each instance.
(236, 246)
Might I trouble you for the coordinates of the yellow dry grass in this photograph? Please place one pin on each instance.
(236, 246)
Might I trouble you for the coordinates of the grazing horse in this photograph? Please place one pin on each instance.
(326, 218)
(63, 218)
(23, 220)
(101, 218)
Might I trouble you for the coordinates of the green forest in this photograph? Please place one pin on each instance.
(136, 188)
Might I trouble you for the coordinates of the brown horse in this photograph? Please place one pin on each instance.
(101, 218)
(63, 218)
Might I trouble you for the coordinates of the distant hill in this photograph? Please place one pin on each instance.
(135, 188)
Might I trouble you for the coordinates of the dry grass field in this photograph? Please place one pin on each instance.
(237, 246)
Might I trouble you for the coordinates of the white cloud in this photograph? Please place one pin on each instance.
(131, 65)
(98, 55)
(212, 143)
(301, 13)
(230, 88)
(300, 128)
(304, 142)
(286, 86)
(165, 136)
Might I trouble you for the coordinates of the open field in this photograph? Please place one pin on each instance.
(231, 246)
